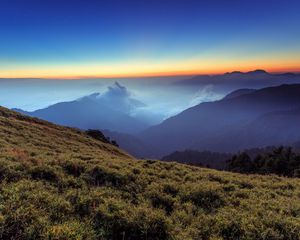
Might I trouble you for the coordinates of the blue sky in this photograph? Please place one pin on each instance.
(132, 37)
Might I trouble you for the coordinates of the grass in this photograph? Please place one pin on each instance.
(59, 183)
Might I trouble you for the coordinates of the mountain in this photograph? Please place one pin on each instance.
(60, 183)
(131, 143)
(110, 110)
(252, 79)
(274, 127)
(238, 93)
(261, 118)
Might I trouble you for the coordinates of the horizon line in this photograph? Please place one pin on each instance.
(152, 75)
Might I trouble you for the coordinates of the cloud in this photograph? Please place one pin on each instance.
(122, 99)
(116, 91)
(205, 94)
(119, 98)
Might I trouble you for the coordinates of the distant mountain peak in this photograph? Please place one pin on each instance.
(258, 71)
(117, 84)
(234, 72)
(118, 87)
(114, 109)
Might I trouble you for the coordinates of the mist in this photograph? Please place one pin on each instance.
(158, 98)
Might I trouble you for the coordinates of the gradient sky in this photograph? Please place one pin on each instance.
(88, 38)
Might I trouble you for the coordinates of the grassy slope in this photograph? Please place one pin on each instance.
(57, 183)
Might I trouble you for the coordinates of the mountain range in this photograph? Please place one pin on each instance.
(259, 118)
(254, 79)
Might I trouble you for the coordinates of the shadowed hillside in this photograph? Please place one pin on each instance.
(59, 183)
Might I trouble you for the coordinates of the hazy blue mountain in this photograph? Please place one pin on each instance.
(252, 79)
(239, 92)
(279, 127)
(110, 110)
(132, 144)
(261, 118)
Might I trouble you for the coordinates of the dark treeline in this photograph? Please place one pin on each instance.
(281, 161)
(215, 160)
(204, 159)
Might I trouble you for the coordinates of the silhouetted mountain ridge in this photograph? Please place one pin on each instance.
(252, 79)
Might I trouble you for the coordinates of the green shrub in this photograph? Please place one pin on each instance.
(98, 176)
(207, 199)
(75, 168)
(163, 201)
(44, 173)
(116, 220)
(71, 230)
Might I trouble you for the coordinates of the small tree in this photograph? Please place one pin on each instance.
(240, 163)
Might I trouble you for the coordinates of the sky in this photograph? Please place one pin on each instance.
(89, 38)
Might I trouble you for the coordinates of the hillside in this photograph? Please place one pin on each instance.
(239, 92)
(59, 183)
(261, 118)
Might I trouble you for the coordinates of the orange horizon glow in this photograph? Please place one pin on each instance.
(148, 74)
(150, 69)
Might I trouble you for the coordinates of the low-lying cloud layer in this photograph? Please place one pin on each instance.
(149, 99)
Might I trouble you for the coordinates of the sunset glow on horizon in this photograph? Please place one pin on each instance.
(150, 69)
